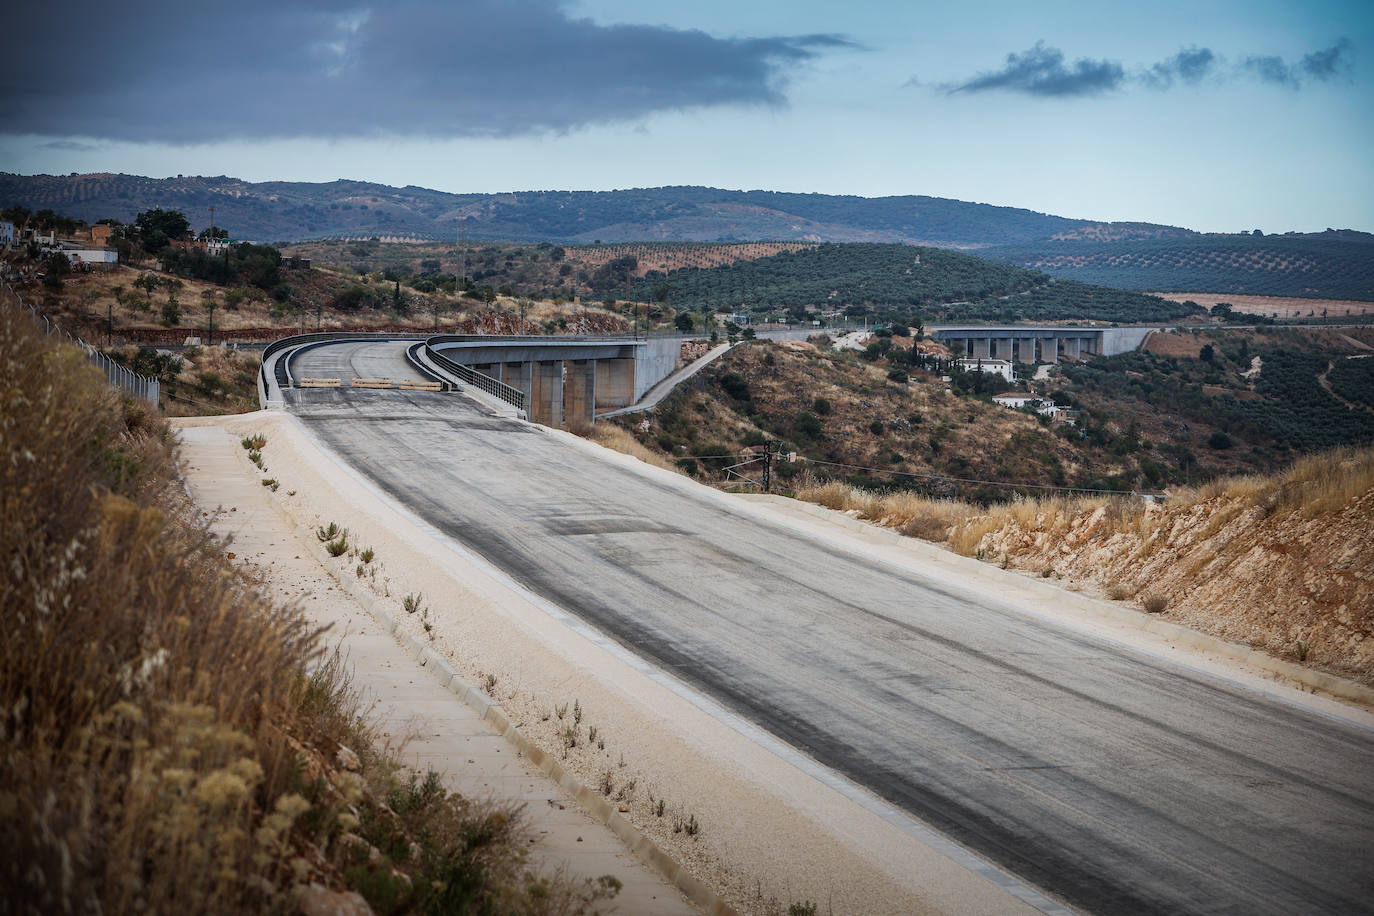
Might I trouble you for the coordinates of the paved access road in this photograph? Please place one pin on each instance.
(1116, 781)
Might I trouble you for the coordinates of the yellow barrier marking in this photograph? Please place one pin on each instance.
(421, 386)
(372, 383)
(320, 383)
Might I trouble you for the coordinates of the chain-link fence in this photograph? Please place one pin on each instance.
(140, 386)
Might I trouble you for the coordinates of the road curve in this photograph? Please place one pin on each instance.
(1112, 779)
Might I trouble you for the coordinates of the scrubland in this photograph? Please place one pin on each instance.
(169, 740)
(1278, 562)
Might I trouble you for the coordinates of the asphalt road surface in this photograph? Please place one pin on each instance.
(1112, 779)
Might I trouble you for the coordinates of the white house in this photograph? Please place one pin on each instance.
(1000, 367)
(1016, 399)
(92, 258)
(6, 232)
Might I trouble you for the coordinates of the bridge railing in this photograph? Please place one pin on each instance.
(482, 382)
(140, 386)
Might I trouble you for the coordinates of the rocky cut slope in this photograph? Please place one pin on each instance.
(1279, 563)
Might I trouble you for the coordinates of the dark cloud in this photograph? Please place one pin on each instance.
(1270, 69)
(1329, 63)
(1191, 66)
(69, 146)
(1041, 71)
(195, 72)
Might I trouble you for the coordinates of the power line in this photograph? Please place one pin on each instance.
(993, 483)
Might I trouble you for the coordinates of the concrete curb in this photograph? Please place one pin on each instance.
(641, 846)
(1309, 678)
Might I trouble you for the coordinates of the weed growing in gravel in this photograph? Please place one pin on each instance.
(270, 483)
(489, 682)
(577, 712)
(413, 602)
(367, 555)
(338, 548)
(255, 456)
(327, 533)
(253, 443)
(1154, 604)
(561, 711)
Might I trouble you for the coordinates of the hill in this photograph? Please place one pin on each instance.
(898, 278)
(1336, 264)
(293, 211)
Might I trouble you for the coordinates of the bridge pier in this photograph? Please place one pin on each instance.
(579, 392)
(615, 383)
(546, 395)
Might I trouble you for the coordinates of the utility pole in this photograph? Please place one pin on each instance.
(768, 466)
(109, 323)
(212, 323)
(319, 311)
(463, 253)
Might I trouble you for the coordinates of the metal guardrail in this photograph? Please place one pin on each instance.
(419, 365)
(480, 381)
(296, 340)
(140, 386)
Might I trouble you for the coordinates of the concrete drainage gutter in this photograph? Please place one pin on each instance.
(641, 846)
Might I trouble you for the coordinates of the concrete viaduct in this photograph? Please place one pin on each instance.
(1032, 344)
(567, 380)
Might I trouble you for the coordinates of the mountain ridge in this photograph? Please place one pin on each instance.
(294, 211)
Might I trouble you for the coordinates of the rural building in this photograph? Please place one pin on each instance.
(1000, 367)
(1016, 400)
(92, 258)
(6, 232)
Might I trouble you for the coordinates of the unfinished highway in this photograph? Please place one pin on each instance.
(1112, 779)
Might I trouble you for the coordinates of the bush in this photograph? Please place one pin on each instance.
(735, 385)
(808, 426)
(1219, 441)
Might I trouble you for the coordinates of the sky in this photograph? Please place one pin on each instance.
(1217, 115)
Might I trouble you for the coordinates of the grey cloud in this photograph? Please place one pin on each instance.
(73, 146)
(1041, 71)
(179, 72)
(1271, 69)
(1191, 66)
(1330, 62)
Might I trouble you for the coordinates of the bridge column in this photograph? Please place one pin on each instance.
(521, 375)
(1001, 348)
(546, 395)
(982, 348)
(615, 383)
(1025, 349)
(1071, 345)
(1049, 350)
(579, 392)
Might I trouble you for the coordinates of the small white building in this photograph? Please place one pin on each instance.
(217, 246)
(6, 233)
(92, 258)
(994, 366)
(1016, 400)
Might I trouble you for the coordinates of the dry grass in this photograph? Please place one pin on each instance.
(171, 741)
(614, 437)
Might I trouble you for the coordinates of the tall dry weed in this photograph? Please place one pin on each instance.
(164, 732)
